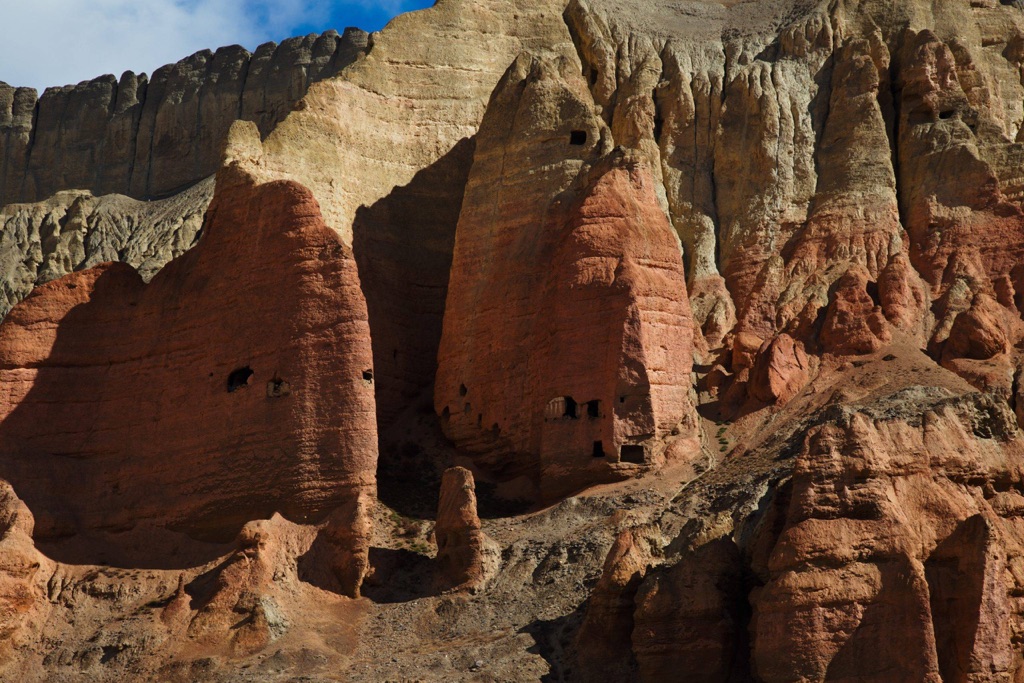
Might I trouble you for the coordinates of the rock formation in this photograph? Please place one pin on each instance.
(603, 642)
(847, 577)
(782, 369)
(182, 406)
(23, 574)
(691, 618)
(465, 556)
(580, 379)
(854, 324)
(150, 137)
(703, 318)
(74, 230)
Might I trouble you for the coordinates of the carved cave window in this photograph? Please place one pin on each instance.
(571, 410)
(276, 388)
(561, 407)
(632, 453)
(239, 379)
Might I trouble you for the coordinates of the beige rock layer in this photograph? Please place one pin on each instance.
(843, 181)
(74, 230)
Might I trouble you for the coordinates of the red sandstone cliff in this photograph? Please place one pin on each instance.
(701, 320)
(180, 404)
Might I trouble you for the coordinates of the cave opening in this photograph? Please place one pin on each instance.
(578, 137)
(239, 379)
(632, 453)
(570, 410)
(872, 288)
(598, 451)
(368, 375)
(593, 409)
(659, 122)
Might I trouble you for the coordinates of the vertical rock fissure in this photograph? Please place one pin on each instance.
(825, 92)
(894, 140)
(28, 149)
(244, 84)
(140, 97)
(713, 141)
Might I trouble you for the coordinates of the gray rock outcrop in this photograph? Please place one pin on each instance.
(149, 137)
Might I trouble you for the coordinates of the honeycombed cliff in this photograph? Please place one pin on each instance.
(595, 340)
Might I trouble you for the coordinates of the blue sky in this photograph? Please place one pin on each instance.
(55, 42)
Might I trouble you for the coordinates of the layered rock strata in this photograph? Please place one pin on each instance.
(797, 149)
(149, 137)
(578, 220)
(877, 538)
(386, 150)
(900, 540)
(178, 404)
(581, 379)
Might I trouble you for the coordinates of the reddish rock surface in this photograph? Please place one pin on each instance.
(465, 556)
(957, 179)
(980, 332)
(902, 294)
(782, 370)
(603, 643)
(854, 323)
(504, 244)
(236, 385)
(884, 570)
(579, 381)
(617, 314)
(734, 308)
(892, 553)
(691, 618)
(24, 573)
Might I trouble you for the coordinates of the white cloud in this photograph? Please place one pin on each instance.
(55, 42)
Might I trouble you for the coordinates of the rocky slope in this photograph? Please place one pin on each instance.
(74, 230)
(689, 336)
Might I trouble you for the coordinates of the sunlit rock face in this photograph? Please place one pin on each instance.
(689, 335)
(570, 362)
(153, 136)
(179, 404)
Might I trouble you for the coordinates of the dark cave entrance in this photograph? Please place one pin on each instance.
(632, 453)
(239, 379)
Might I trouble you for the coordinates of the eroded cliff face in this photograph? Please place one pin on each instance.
(74, 230)
(73, 157)
(183, 405)
(568, 362)
(732, 288)
(150, 137)
(886, 547)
